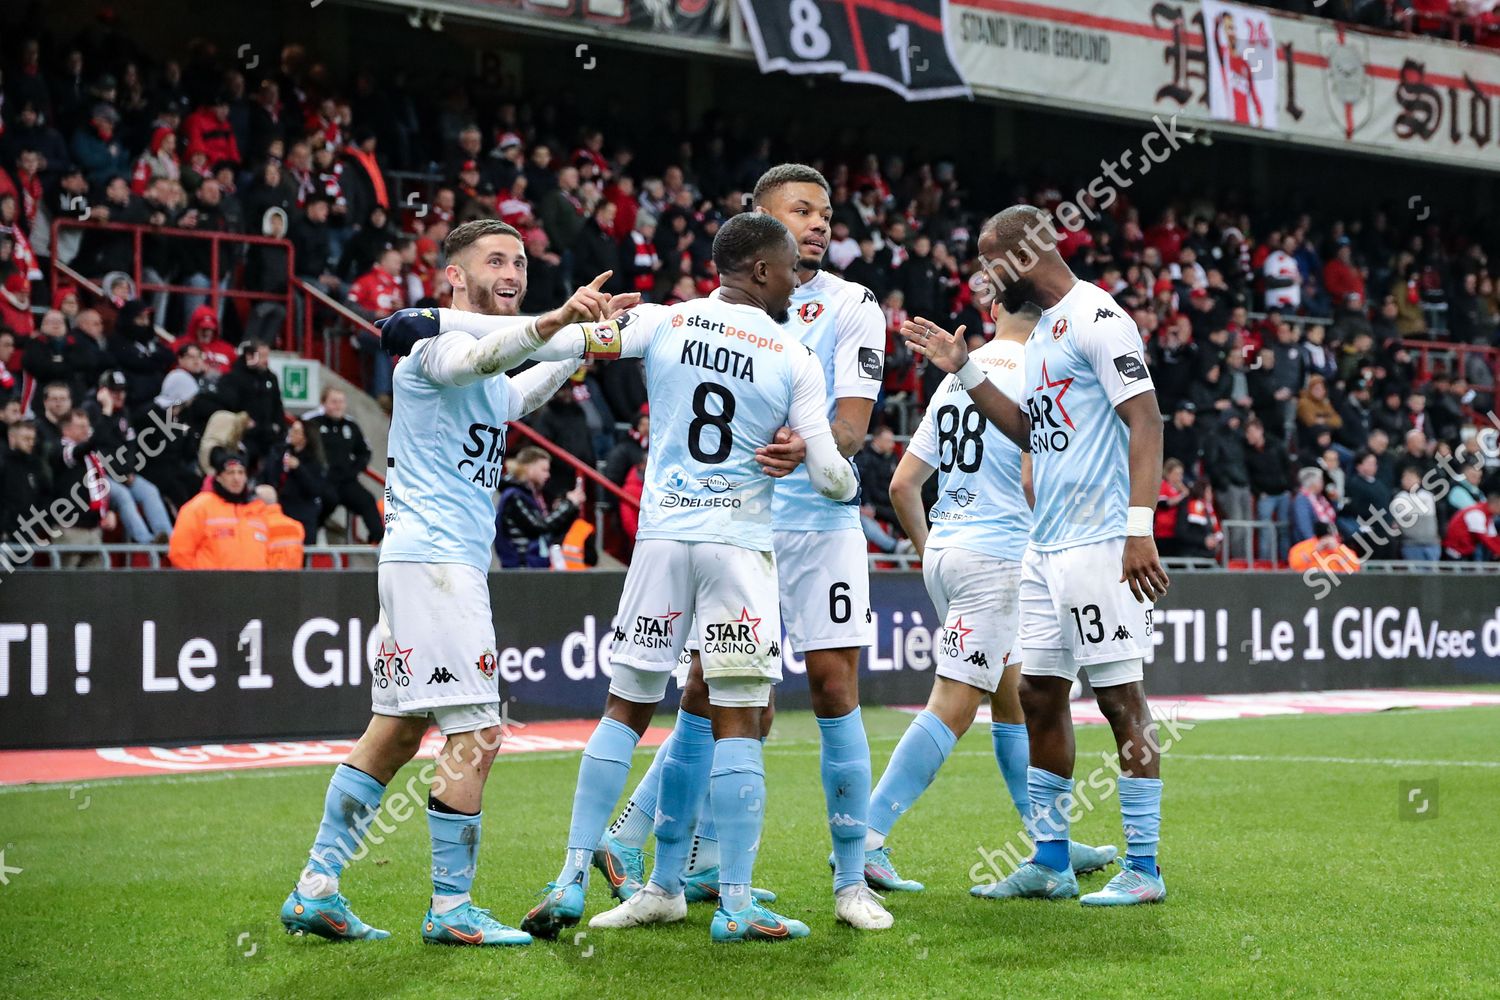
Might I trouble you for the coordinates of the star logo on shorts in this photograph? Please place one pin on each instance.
(392, 663)
(959, 633)
(746, 619)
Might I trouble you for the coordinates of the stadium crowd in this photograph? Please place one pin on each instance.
(1282, 348)
(1473, 21)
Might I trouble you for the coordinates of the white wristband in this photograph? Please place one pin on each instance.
(970, 376)
(1138, 522)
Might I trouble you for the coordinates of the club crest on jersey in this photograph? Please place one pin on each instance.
(717, 483)
(808, 312)
(678, 320)
(486, 663)
(1059, 328)
(963, 496)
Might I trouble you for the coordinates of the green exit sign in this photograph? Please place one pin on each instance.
(301, 381)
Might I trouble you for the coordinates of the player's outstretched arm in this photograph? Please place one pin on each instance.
(906, 497)
(1141, 566)
(950, 353)
(531, 389)
(588, 304)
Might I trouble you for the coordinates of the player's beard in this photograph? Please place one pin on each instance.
(782, 316)
(810, 264)
(483, 300)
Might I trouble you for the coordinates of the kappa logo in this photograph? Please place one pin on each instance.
(871, 364)
(869, 296)
(980, 660)
(963, 496)
(486, 663)
(619, 635)
(808, 312)
(774, 649)
(1122, 633)
(442, 675)
(1059, 328)
(1105, 314)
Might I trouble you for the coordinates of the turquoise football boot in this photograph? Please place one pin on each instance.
(755, 923)
(468, 924)
(326, 916)
(1030, 881)
(561, 907)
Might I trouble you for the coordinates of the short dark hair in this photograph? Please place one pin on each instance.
(183, 350)
(466, 235)
(744, 238)
(57, 385)
(783, 174)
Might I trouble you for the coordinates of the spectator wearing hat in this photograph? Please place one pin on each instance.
(159, 161)
(203, 332)
(98, 150)
(133, 497)
(1182, 438)
(208, 129)
(346, 456)
(168, 454)
(139, 353)
(80, 479)
(1224, 463)
(223, 527)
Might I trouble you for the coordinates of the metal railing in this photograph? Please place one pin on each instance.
(218, 265)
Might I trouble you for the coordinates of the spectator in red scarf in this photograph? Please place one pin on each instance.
(27, 185)
(203, 331)
(1197, 530)
(79, 478)
(1310, 507)
(160, 160)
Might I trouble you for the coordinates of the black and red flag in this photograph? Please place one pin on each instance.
(896, 44)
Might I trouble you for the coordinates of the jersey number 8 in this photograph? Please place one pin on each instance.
(703, 419)
(960, 438)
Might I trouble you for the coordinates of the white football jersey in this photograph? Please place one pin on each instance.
(981, 506)
(1083, 359)
(843, 326)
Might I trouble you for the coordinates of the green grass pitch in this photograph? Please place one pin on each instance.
(1292, 867)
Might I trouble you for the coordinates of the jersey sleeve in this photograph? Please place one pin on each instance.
(859, 347)
(1112, 347)
(924, 443)
(533, 387)
(808, 415)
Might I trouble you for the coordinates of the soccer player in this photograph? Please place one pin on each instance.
(825, 583)
(1093, 429)
(437, 649)
(722, 377)
(971, 563)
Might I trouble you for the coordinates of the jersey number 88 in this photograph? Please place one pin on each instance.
(960, 438)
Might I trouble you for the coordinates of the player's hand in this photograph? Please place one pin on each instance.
(1142, 568)
(404, 328)
(576, 496)
(949, 351)
(781, 457)
(589, 304)
(618, 304)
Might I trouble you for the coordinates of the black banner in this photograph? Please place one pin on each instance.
(896, 44)
(121, 658)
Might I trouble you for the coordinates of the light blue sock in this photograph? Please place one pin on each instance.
(601, 779)
(635, 822)
(348, 808)
(922, 750)
(846, 790)
(737, 786)
(1140, 812)
(455, 850)
(684, 776)
(1013, 753)
(1051, 798)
